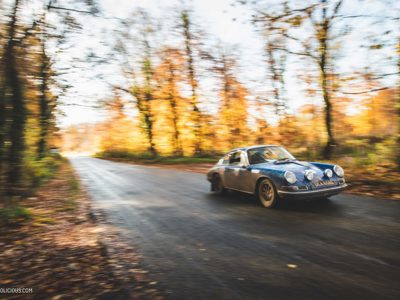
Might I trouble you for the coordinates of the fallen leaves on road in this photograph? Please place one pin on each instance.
(292, 266)
(60, 253)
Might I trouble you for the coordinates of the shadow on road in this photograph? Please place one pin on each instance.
(323, 207)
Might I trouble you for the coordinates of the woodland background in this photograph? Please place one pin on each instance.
(157, 110)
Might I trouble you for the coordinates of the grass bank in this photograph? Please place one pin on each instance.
(36, 173)
(147, 158)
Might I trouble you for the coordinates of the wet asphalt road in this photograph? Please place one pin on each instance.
(200, 246)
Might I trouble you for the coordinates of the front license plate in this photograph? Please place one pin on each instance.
(322, 183)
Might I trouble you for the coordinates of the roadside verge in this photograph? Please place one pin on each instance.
(61, 249)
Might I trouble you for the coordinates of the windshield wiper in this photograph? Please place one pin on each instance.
(283, 159)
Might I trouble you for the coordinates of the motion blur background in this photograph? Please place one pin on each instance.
(187, 80)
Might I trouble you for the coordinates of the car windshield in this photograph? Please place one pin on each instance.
(268, 153)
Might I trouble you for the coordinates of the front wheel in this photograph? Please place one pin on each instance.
(267, 194)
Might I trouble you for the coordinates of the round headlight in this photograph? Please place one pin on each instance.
(328, 173)
(338, 171)
(309, 174)
(290, 177)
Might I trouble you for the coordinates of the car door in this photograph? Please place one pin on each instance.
(232, 170)
(238, 173)
(246, 175)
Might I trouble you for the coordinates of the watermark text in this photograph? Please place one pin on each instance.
(16, 290)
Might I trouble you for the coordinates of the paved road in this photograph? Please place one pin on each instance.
(200, 246)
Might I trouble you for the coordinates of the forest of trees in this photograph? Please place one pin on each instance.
(29, 90)
(159, 109)
(162, 110)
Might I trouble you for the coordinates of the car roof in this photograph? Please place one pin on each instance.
(251, 147)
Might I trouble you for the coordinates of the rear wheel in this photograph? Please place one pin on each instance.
(267, 194)
(217, 186)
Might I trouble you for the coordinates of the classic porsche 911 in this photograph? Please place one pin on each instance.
(271, 173)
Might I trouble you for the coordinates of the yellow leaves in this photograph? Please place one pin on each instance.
(139, 271)
(296, 21)
(233, 113)
(6, 281)
(376, 119)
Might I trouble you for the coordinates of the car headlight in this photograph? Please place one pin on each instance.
(328, 173)
(338, 171)
(309, 174)
(290, 177)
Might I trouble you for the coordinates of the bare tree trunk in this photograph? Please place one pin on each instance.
(226, 101)
(148, 95)
(398, 103)
(18, 111)
(2, 134)
(274, 80)
(175, 115)
(44, 118)
(177, 144)
(144, 99)
(192, 80)
(323, 54)
(327, 152)
(149, 128)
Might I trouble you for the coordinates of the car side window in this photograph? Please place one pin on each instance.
(234, 158)
(255, 157)
(224, 160)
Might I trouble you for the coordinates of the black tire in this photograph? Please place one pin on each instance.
(266, 194)
(217, 185)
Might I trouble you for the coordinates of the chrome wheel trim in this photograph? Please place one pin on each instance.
(266, 193)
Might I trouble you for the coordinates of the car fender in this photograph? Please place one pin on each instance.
(219, 171)
(276, 177)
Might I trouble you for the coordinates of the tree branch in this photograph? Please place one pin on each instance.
(72, 9)
(120, 88)
(79, 105)
(307, 54)
(274, 18)
(366, 92)
(336, 9)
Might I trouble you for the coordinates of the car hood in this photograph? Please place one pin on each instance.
(295, 167)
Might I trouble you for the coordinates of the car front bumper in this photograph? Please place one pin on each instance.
(309, 194)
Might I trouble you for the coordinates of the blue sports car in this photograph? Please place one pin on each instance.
(271, 173)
